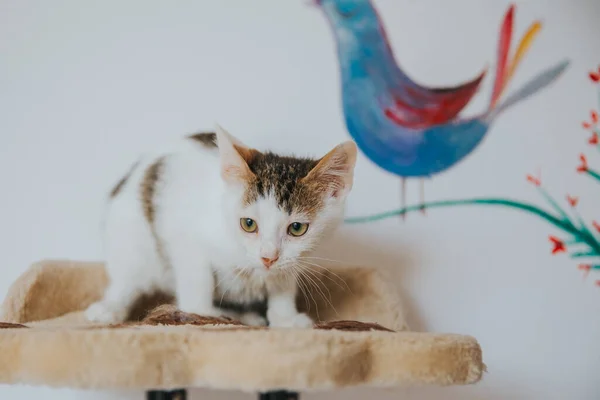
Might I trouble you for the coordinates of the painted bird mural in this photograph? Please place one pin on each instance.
(407, 129)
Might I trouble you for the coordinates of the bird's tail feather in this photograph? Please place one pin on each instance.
(539, 82)
(506, 66)
(503, 50)
(522, 49)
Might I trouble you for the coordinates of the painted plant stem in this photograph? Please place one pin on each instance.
(580, 235)
(593, 174)
(463, 202)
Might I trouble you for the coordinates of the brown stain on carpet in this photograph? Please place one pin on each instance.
(168, 314)
(356, 366)
(8, 325)
(346, 325)
(148, 302)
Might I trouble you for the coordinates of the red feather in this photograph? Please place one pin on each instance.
(503, 49)
(442, 104)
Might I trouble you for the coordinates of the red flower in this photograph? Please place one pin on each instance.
(596, 226)
(594, 139)
(583, 167)
(573, 200)
(559, 245)
(585, 268)
(594, 120)
(537, 181)
(595, 75)
(598, 283)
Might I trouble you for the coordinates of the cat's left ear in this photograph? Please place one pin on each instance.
(235, 157)
(335, 171)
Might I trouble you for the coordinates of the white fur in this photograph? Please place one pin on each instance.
(197, 223)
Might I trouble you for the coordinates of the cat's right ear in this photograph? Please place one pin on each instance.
(235, 157)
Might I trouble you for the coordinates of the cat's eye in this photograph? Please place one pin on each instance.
(248, 224)
(297, 229)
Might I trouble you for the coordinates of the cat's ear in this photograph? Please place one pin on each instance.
(235, 157)
(335, 171)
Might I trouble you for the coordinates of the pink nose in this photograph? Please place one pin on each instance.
(269, 261)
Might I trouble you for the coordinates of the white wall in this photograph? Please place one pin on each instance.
(83, 85)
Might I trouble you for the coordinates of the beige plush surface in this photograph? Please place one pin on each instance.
(59, 348)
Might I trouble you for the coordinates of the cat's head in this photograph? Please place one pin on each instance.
(281, 207)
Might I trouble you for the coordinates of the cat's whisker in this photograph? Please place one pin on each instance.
(325, 274)
(220, 281)
(314, 284)
(290, 267)
(331, 272)
(300, 275)
(308, 294)
(237, 276)
(286, 271)
(321, 258)
(301, 285)
(288, 276)
(318, 287)
(315, 274)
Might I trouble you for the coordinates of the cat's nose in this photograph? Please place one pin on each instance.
(267, 262)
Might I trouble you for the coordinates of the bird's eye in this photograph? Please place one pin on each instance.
(248, 224)
(346, 13)
(297, 229)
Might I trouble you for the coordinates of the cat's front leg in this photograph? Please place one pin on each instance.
(281, 306)
(194, 287)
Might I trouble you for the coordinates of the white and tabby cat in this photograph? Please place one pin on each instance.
(213, 221)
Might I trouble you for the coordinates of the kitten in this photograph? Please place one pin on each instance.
(215, 222)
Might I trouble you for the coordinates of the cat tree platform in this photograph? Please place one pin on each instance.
(361, 341)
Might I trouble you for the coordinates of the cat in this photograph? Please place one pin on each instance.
(213, 221)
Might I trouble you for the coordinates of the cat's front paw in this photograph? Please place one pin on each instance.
(253, 319)
(105, 313)
(299, 320)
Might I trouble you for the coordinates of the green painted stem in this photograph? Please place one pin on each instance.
(566, 226)
(565, 217)
(593, 174)
(584, 254)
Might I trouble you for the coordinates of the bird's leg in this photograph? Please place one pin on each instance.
(422, 196)
(403, 198)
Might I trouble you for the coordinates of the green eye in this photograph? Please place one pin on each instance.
(248, 225)
(297, 229)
